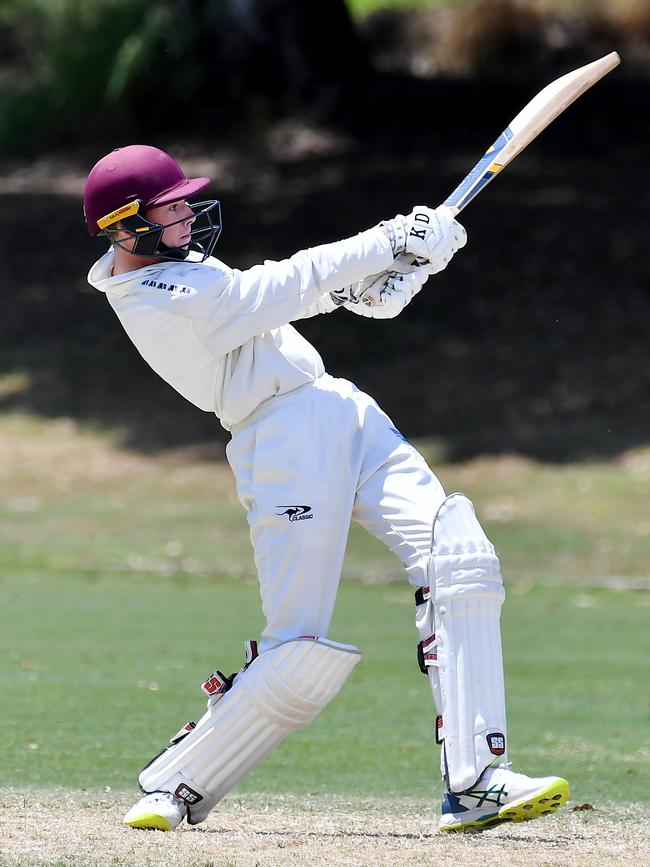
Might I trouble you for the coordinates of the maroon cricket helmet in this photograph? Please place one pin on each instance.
(124, 184)
(135, 172)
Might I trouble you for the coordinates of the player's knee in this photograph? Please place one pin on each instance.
(293, 681)
(464, 562)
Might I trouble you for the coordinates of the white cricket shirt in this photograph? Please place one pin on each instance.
(220, 336)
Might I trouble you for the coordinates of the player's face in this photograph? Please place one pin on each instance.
(180, 215)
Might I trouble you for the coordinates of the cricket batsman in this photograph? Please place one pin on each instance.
(310, 453)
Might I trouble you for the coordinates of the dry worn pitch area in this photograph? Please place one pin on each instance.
(84, 830)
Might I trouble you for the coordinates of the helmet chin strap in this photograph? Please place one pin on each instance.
(162, 251)
(176, 253)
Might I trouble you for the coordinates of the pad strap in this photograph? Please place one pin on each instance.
(427, 653)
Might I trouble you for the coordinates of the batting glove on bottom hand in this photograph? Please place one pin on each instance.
(384, 296)
(431, 236)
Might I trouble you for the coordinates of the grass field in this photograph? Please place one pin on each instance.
(124, 580)
(97, 675)
(82, 829)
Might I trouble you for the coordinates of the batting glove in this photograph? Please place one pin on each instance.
(431, 236)
(384, 296)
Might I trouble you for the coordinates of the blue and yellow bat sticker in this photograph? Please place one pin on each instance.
(482, 173)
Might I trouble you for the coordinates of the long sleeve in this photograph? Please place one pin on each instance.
(235, 306)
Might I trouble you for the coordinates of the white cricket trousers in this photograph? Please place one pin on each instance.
(306, 464)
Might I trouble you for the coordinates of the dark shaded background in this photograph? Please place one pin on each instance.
(535, 338)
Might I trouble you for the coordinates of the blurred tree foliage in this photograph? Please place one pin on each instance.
(73, 68)
(78, 70)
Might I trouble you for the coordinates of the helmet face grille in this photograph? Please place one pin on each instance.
(204, 233)
(206, 227)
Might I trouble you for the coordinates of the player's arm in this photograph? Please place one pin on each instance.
(238, 305)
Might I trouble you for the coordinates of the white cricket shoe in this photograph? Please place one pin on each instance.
(160, 811)
(501, 795)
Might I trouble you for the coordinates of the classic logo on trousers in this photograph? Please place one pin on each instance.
(295, 513)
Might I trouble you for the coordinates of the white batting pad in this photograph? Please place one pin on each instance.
(282, 690)
(463, 650)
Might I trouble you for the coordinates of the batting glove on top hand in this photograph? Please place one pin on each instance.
(384, 296)
(431, 236)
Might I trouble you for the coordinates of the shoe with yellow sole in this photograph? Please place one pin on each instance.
(159, 811)
(501, 795)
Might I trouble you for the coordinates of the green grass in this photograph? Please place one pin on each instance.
(366, 7)
(96, 675)
(125, 580)
(71, 501)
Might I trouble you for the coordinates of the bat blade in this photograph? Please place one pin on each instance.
(542, 110)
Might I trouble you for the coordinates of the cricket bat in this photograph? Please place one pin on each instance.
(542, 110)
